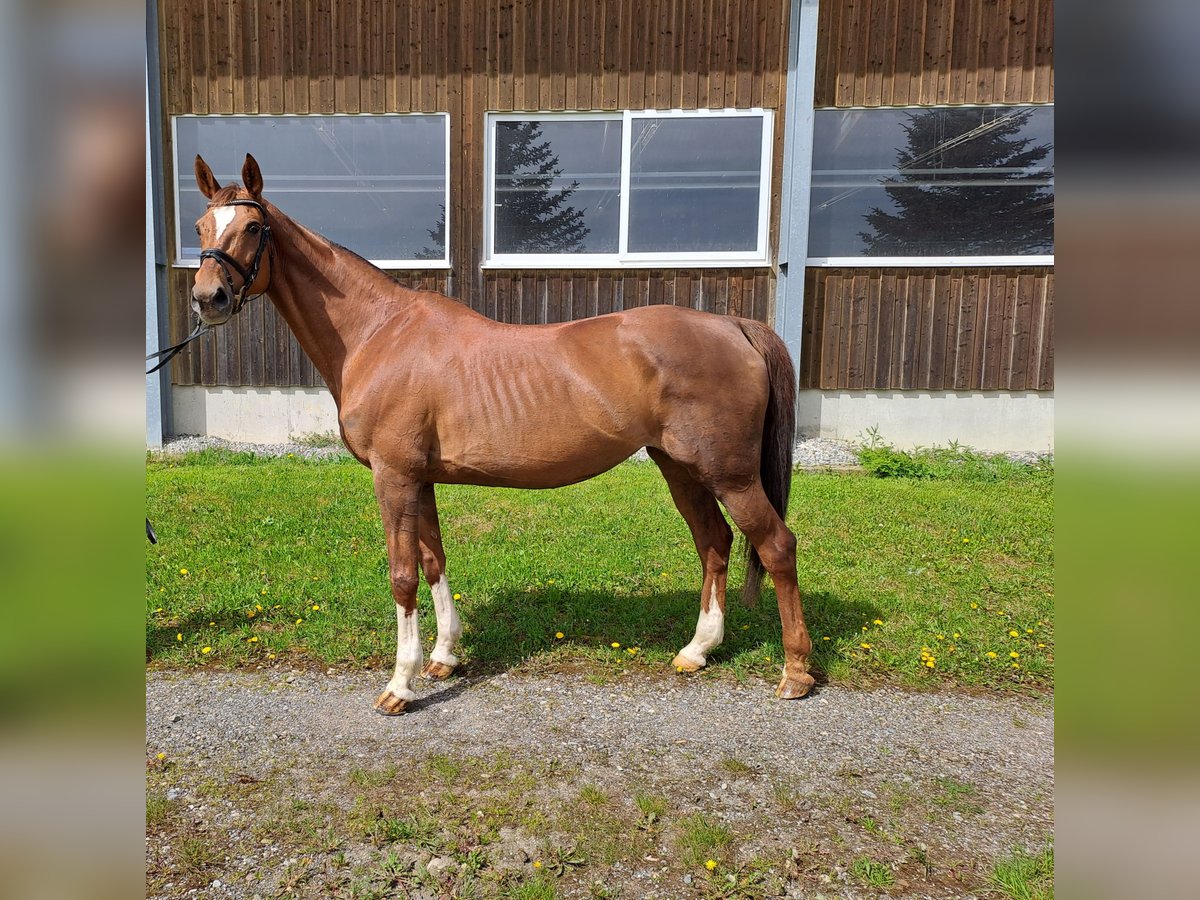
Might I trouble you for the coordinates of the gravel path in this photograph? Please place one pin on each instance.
(816, 453)
(951, 780)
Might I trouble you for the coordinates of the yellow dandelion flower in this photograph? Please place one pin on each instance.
(537, 863)
(864, 628)
(991, 654)
(966, 540)
(264, 590)
(458, 596)
(957, 635)
(1015, 655)
(252, 640)
(1029, 631)
(664, 575)
(1041, 645)
(206, 649)
(1012, 632)
(258, 606)
(251, 614)
(1016, 665)
(158, 610)
(768, 659)
(270, 656)
(999, 612)
(710, 864)
(549, 581)
(161, 756)
(931, 662)
(744, 627)
(298, 621)
(179, 637)
(616, 645)
(679, 669)
(941, 637)
(316, 607)
(824, 638)
(183, 571)
(212, 623)
(559, 635)
(974, 606)
(865, 646)
(879, 621)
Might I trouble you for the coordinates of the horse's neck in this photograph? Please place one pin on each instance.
(331, 299)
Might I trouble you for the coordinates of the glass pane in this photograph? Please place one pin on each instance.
(694, 184)
(375, 184)
(558, 186)
(933, 182)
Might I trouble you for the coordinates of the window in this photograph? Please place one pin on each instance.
(628, 189)
(377, 184)
(938, 184)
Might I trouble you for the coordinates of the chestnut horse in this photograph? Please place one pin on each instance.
(430, 392)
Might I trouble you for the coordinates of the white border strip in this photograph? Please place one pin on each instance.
(875, 262)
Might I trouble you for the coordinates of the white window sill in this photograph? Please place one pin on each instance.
(875, 262)
(407, 265)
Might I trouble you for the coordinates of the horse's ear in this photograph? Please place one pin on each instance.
(252, 176)
(205, 180)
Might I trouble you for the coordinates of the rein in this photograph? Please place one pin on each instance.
(225, 262)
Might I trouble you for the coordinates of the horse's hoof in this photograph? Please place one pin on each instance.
(683, 664)
(436, 670)
(795, 688)
(388, 704)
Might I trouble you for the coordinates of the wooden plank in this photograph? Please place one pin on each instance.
(831, 333)
(950, 346)
(879, 346)
(719, 54)
(588, 41)
(1029, 50)
(880, 38)
(198, 44)
(994, 332)
(174, 58)
(1018, 358)
(935, 379)
(666, 66)
(1045, 379)
(1017, 47)
(823, 79)
(933, 51)
(558, 22)
(914, 309)
(571, 54)
(1007, 330)
(611, 89)
(849, 52)
(632, 92)
(1043, 64)
(775, 62)
(871, 303)
(856, 338)
(965, 367)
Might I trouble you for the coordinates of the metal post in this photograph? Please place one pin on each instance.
(797, 173)
(158, 385)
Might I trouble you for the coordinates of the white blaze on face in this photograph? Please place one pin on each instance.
(449, 626)
(408, 654)
(223, 215)
(710, 631)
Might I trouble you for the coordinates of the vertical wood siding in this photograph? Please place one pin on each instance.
(376, 56)
(925, 52)
(958, 329)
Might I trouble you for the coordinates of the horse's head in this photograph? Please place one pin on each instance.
(234, 243)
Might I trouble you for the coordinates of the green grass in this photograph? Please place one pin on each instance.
(871, 873)
(701, 838)
(913, 568)
(1025, 876)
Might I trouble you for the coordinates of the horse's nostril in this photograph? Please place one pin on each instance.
(220, 298)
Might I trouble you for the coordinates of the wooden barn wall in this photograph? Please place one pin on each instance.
(372, 56)
(927, 52)
(949, 329)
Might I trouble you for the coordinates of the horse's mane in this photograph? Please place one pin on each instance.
(224, 195)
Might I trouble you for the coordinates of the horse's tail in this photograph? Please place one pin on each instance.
(779, 428)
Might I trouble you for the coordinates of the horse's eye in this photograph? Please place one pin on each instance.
(197, 229)
(253, 229)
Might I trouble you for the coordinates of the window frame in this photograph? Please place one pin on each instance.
(443, 264)
(623, 258)
(879, 262)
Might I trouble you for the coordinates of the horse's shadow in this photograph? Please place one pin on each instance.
(510, 628)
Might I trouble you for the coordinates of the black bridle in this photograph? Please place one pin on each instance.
(225, 262)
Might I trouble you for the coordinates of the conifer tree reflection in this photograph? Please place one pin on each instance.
(969, 184)
(532, 216)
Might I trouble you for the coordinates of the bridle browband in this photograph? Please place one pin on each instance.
(225, 262)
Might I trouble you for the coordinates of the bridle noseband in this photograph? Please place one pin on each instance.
(226, 262)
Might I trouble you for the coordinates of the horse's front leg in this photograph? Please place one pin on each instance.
(442, 660)
(399, 505)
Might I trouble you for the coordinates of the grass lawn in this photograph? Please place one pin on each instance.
(282, 561)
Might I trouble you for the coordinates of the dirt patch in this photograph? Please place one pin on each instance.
(553, 786)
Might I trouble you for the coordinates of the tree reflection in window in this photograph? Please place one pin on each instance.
(532, 214)
(968, 184)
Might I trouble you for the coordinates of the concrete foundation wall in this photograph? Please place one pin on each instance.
(259, 415)
(993, 420)
(984, 420)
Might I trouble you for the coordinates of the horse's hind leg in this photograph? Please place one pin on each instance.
(753, 514)
(713, 539)
(442, 660)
